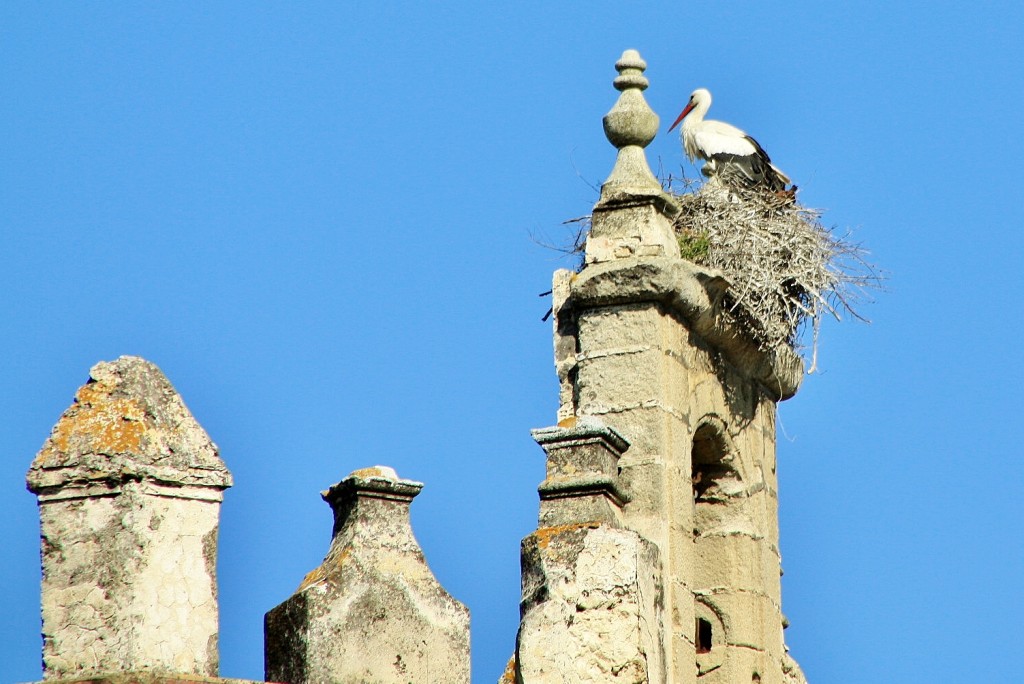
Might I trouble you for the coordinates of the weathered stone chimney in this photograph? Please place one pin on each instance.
(656, 558)
(372, 611)
(129, 488)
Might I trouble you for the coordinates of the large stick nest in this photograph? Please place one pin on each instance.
(786, 271)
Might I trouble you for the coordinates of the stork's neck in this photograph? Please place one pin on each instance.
(688, 131)
(696, 115)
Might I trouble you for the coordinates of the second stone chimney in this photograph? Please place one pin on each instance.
(372, 611)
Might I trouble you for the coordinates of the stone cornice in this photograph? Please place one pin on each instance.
(694, 294)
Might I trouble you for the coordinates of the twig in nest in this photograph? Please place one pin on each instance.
(574, 247)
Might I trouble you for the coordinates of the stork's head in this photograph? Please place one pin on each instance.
(699, 99)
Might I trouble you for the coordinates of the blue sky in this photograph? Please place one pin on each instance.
(317, 219)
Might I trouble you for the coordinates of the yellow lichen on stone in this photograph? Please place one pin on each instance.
(509, 675)
(312, 577)
(129, 489)
(332, 564)
(96, 423)
(544, 535)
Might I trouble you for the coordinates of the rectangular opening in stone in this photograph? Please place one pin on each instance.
(703, 636)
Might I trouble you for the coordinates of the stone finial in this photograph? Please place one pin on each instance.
(633, 216)
(129, 488)
(373, 610)
(631, 126)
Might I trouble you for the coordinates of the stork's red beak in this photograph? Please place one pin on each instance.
(682, 116)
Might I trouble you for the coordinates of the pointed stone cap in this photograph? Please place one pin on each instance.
(127, 423)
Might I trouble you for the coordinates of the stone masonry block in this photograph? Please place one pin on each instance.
(652, 429)
(620, 380)
(582, 483)
(625, 326)
(737, 561)
(592, 607)
(584, 449)
(751, 620)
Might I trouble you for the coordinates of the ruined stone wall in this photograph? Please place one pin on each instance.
(592, 606)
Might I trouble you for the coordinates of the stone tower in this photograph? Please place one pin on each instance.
(129, 488)
(656, 557)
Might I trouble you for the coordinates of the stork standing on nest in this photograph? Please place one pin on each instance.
(730, 155)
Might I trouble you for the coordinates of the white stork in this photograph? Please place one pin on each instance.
(730, 154)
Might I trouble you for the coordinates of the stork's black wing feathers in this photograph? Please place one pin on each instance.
(748, 171)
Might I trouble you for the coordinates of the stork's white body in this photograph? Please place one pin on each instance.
(730, 154)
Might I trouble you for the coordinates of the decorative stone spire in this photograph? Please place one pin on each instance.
(373, 611)
(631, 126)
(633, 216)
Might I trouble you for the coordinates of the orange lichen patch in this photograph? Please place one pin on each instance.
(569, 422)
(314, 576)
(509, 675)
(544, 535)
(96, 423)
(331, 564)
(93, 392)
(373, 471)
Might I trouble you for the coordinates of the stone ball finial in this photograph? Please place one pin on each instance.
(631, 121)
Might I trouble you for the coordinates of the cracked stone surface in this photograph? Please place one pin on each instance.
(148, 678)
(592, 607)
